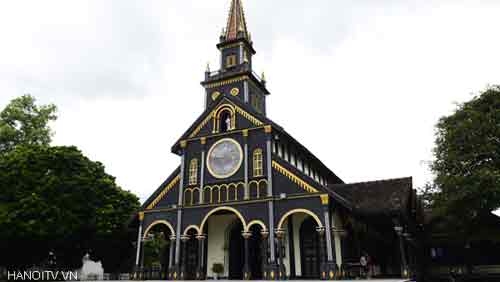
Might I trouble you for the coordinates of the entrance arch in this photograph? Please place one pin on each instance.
(156, 248)
(154, 223)
(238, 214)
(308, 212)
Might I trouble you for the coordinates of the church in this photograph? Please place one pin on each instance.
(249, 201)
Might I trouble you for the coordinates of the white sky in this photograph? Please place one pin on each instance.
(360, 83)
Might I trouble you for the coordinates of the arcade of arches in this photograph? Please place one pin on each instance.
(241, 247)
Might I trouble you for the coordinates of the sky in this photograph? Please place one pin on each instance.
(360, 83)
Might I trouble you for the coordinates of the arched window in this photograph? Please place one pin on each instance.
(258, 169)
(193, 172)
(224, 119)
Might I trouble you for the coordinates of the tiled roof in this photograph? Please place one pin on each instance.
(383, 197)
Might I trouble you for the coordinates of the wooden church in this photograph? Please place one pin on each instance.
(252, 201)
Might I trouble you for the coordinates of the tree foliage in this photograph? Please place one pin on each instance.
(24, 122)
(467, 159)
(56, 199)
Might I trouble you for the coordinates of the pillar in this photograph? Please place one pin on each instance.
(264, 247)
(272, 266)
(202, 170)
(177, 265)
(245, 138)
(330, 267)
(200, 273)
(185, 241)
(139, 241)
(280, 235)
(246, 267)
(171, 257)
(322, 263)
(340, 249)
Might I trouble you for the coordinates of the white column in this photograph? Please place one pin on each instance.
(138, 249)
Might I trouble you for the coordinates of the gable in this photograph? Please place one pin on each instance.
(204, 124)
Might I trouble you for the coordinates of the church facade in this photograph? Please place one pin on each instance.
(249, 199)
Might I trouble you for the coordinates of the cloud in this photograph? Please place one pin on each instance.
(360, 83)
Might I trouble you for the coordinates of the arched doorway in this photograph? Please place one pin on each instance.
(304, 258)
(309, 246)
(223, 227)
(236, 251)
(156, 247)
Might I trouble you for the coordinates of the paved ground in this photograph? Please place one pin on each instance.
(372, 280)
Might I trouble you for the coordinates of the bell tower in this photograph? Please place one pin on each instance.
(235, 76)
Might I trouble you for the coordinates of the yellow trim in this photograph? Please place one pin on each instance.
(159, 222)
(248, 116)
(226, 82)
(192, 191)
(268, 129)
(258, 162)
(165, 191)
(294, 178)
(195, 227)
(313, 215)
(212, 114)
(193, 172)
(235, 169)
(235, 91)
(257, 186)
(183, 144)
(225, 208)
(230, 46)
(217, 113)
(141, 216)
(215, 95)
(256, 221)
(245, 132)
(324, 199)
(219, 187)
(200, 126)
(203, 140)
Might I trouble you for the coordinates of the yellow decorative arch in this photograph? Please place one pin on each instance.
(195, 227)
(191, 199)
(172, 232)
(257, 187)
(238, 214)
(216, 114)
(258, 222)
(308, 212)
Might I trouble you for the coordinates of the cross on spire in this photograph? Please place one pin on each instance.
(236, 24)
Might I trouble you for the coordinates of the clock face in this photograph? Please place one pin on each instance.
(224, 158)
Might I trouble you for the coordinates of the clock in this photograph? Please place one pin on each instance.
(224, 158)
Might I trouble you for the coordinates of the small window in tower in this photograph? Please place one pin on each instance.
(258, 169)
(193, 172)
(230, 61)
(225, 122)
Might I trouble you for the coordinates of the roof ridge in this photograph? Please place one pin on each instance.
(372, 181)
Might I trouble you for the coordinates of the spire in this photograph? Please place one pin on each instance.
(236, 23)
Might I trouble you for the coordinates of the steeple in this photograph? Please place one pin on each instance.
(235, 77)
(236, 25)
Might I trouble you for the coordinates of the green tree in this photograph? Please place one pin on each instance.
(467, 160)
(23, 122)
(56, 199)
